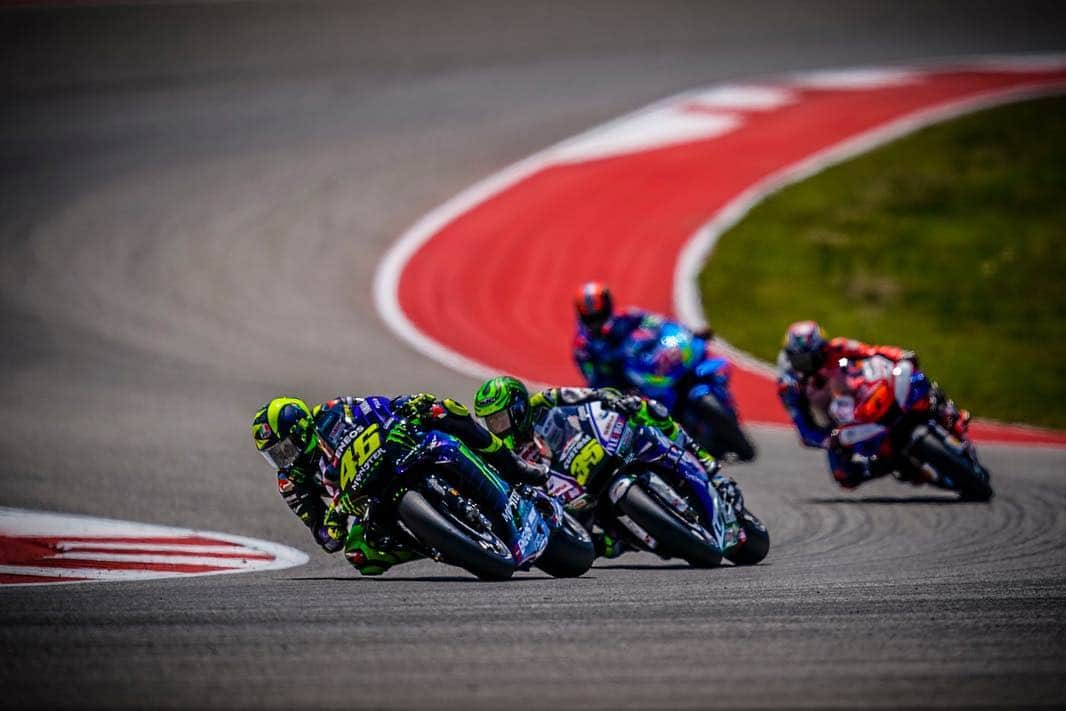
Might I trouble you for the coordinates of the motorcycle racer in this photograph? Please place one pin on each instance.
(303, 443)
(511, 413)
(806, 366)
(599, 343)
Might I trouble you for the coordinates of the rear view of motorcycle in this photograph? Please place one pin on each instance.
(887, 413)
(676, 368)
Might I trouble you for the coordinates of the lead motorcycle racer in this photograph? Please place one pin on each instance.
(807, 364)
(294, 439)
(511, 413)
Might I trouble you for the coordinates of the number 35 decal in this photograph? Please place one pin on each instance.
(589, 456)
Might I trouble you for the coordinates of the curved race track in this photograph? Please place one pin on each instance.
(195, 200)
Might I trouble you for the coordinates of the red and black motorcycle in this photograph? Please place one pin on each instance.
(890, 413)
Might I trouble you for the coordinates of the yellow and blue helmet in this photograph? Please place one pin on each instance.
(284, 430)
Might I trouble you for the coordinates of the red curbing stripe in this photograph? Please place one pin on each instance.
(988, 431)
(35, 549)
(145, 551)
(12, 579)
(72, 564)
(162, 540)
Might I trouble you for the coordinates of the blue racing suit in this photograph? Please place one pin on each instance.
(601, 355)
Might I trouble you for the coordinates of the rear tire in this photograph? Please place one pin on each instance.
(570, 552)
(970, 478)
(726, 435)
(757, 545)
(435, 530)
(674, 536)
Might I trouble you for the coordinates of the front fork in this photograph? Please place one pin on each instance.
(724, 528)
(466, 476)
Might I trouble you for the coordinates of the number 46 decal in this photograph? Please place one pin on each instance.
(358, 453)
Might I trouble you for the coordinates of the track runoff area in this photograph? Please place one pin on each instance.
(639, 203)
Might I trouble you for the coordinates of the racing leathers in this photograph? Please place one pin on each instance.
(807, 398)
(639, 410)
(335, 489)
(600, 353)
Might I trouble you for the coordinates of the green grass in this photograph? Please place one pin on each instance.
(951, 241)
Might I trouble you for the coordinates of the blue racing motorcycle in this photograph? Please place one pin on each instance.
(632, 481)
(676, 368)
(450, 505)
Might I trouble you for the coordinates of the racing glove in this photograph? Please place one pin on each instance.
(629, 405)
(330, 537)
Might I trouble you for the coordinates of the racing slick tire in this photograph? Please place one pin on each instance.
(674, 535)
(454, 540)
(726, 435)
(570, 552)
(970, 479)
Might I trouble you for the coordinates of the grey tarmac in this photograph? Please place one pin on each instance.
(195, 199)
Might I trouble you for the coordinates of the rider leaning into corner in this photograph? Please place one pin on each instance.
(602, 334)
(512, 414)
(304, 443)
(806, 365)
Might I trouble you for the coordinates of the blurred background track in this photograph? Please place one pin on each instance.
(195, 198)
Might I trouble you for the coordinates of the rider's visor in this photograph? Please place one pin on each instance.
(283, 454)
(498, 423)
(803, 362)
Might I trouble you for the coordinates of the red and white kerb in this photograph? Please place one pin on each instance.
(37, 548)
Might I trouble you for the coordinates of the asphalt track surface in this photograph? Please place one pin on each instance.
(195, 199)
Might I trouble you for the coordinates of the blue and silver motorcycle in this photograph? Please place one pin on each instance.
(676, 368)
(631, 480)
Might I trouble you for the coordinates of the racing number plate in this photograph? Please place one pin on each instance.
(358, 455)
(585, 460)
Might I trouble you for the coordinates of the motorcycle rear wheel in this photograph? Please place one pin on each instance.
(673, 535)
(570, 552)
(442, 532)
(726, 435)
(970, 478)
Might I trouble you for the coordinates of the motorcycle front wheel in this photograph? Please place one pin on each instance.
(967, 475)
(725, 433)
(675, 536)
(482, 553)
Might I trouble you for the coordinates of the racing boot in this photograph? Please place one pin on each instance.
(607, 546)
(954, 419)
(374, 558)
